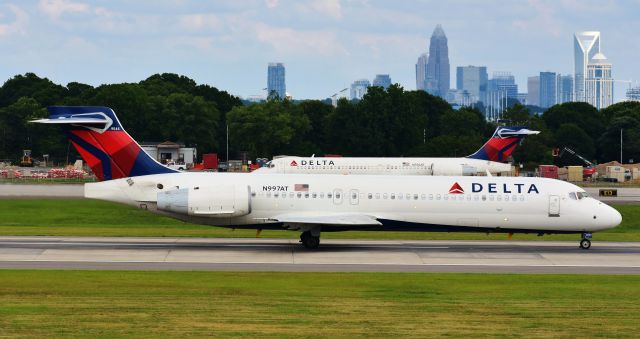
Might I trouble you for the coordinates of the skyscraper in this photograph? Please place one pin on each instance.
(598, 87)
(472, 79)
(382, 80)
(359, 88)
(548, 89)
(533, 89)
(421, 71)
(633, 93)
(275, 80)
(438, 70)
(585, 46)
(565, 89)
(503, 82)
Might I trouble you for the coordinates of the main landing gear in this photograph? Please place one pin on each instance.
(309, 240)
(585, 243)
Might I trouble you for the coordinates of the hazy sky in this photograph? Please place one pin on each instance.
(325, 45)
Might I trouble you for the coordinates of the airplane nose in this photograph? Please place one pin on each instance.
(616, 218)
(612, 217)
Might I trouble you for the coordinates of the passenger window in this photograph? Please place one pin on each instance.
(408, 196)
(506, 198)
(393, 196)
(337, 195)
(321, 195)
(276, 194)
(370, 196)
(415, 197)
(499, 198)
(476, 197)
(268, 194)
(329, 195)
(522, 198)
(291, 195)
(491, 198)
(253, 194)
(299, 195)
(468, 197)
(423, 196)
(461, 197)
(514, 198)
(306, 195)
(314, 195)
(430, 196)
(377, 196)
(384, 196)
(446, 197)
(438, 197)
(484, 198)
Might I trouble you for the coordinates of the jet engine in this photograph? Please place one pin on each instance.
(208, 201)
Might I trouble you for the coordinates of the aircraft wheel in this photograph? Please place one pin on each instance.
(585, 244)
(309, 241)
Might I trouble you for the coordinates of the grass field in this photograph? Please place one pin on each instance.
(80, 217)
(170, 304)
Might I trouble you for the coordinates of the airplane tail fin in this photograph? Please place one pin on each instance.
(104, 145)
(502, 143)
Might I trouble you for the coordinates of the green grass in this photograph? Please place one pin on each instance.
(80, 217)
(187, 304)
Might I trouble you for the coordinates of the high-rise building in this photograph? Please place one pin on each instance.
(548, 89)
(438, 70)
(275, 80)
(585, 46)
(522, 98)
(633, 93)
(503, 82)
(359, 88)
(598, 88)
(382, 80)
(533, 91)
(473, 80)
(565, 88)
(421, 71)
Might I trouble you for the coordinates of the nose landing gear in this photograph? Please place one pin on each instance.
(585, 243)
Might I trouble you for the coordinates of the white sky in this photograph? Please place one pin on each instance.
(325, 45)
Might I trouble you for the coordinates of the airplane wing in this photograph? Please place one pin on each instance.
(332, 219)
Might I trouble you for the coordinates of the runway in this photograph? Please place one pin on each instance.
(107, 253)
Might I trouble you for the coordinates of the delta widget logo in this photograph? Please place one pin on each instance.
(456, 189)
(293, 163)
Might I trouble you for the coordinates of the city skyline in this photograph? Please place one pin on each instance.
(325, 45)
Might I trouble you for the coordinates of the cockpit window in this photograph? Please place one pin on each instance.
(270, 164)
(573, 196)
(582, 195)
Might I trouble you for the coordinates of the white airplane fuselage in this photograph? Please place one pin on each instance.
(398, 202)
(382, 166)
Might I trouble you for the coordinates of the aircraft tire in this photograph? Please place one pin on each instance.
(309, 241)
(585, 244)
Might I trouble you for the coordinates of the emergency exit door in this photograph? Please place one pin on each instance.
(554, 206)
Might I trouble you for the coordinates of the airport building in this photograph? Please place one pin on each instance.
(276, 80)
(170, 152)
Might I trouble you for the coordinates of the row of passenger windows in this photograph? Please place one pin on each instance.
(394, 196)
(389, 167)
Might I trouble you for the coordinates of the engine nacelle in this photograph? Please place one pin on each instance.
(207, 201)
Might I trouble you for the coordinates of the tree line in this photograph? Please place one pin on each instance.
(391, 122)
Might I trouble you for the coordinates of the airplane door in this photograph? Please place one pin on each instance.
(337, 196)
(354, 197)
(554, 206)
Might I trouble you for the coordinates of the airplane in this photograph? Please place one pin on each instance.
(489, 158)
(324, 203)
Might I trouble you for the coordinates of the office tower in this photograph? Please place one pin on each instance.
(565, 88)
(382, 80)
(533, 89)
(522, 98)
(503, 82)
(473, 80)
(438, 71)
(421, 71)
(548, 89)
(275, 80)
(633, 93)
(598, 87)
(585, 46)
(359, 88)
